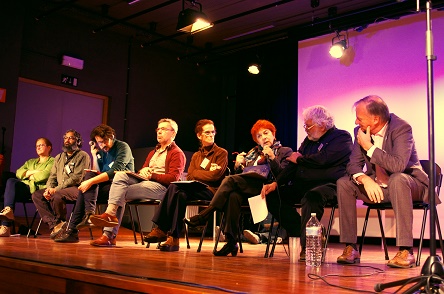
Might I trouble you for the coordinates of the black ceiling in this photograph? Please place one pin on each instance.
(238, 24)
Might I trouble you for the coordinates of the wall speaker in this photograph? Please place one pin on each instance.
(72, 62)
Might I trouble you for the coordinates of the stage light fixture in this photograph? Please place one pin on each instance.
(191, 20)
(338, 46)
(254, 68)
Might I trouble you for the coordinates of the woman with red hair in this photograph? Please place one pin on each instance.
(236, 189)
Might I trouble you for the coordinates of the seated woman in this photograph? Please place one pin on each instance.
(31, 176)
(235, 189)
(208, 166)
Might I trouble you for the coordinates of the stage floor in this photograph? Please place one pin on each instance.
(39, 265)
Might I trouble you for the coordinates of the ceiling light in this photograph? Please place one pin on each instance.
(254, 68)
(339, 45)
(191, 20)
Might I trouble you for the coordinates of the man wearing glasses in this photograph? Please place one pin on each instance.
(163, 165)
(66, 174)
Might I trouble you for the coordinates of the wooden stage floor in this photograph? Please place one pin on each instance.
(39, 265)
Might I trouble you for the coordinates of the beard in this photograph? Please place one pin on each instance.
(70, 147)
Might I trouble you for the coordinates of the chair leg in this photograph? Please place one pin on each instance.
(140, 224)
(269, 237)
(186, 235)
(330, 223)
(364, 229)
(421, 236)
(221, 228)
(204, 230)
(439, 233)
(30, 226)
(275, 240)
(383, 235)
(38, 227)
(132, 223)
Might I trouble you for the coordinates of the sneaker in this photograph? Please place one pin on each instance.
(251, 237)
(103, 241)
(171, 244)
(156, 235)
(57, 229)
(68, 236)
(86, 222)
(5, 231)
(221, 236)
(104, 220)
(7, 214)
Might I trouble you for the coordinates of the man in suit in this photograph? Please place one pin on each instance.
(384, 144)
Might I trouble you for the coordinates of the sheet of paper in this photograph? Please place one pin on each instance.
(258, 207)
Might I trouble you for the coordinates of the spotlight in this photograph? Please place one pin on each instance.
(254, 68)
(339, 45)
(191, 20)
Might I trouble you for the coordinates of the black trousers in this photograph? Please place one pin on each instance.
(86, 202)
(171, 211)
(311, 195)
(231, 194)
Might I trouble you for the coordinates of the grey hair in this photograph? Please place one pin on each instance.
(375, 106)
(172, 123)
(319, 115)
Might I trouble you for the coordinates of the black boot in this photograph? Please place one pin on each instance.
(201, 218)
(85, 223)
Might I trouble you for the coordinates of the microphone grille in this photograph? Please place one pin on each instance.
(92, 143)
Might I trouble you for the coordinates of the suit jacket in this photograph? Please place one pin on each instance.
(398, 154)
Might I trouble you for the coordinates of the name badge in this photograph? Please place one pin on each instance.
(204, 163)
(67, 169)
(111, 164)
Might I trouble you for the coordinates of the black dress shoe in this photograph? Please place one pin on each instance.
(196, 221)
(69, 236)
(227, 249)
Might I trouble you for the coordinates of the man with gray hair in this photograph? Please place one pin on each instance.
(310, 178)
(163, 165)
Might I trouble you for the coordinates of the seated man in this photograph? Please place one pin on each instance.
(384, 144)
(66, 174)
(164, 164)
(320, 161)
(114, 155)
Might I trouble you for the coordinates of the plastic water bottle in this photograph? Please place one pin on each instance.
(313, 233)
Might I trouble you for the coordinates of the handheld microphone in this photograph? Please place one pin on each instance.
(92, 143)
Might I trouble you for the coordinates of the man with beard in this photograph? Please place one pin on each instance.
(66, 174)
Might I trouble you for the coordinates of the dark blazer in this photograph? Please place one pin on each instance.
(398, 154)
(322, 161)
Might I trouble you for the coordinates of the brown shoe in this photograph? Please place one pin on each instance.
(57, 230)
(104, 220)
(156, 235)
(103, 241)
(350, 255)
(403, 259)
(171, 244)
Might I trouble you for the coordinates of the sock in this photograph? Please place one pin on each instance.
(112, 209)
(409, 249)
(108, 234)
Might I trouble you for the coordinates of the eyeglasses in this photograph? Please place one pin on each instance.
(309, 127)
(163, 129)
(209, 133)
(69, 138)
(40, 145)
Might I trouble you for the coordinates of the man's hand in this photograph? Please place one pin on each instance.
(48, 193)
(293, 157)
(374, 191)
(214, 167)
(85, 185)
(146, 172)
(267, 189)
(364, 139)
